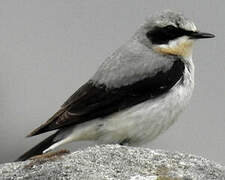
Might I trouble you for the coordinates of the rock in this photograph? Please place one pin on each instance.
(116, 162)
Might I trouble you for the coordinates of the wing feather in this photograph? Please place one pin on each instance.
(96, 100)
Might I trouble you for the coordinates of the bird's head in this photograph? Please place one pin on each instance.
(171, 33)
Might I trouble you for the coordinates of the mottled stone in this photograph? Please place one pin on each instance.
(116, 162)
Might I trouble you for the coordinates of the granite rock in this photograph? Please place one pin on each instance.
(116, 162)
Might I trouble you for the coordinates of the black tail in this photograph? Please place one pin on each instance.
(39, 148)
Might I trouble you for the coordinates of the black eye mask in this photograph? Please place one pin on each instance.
(162, 35)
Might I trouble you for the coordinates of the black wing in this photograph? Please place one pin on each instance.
(91, 101)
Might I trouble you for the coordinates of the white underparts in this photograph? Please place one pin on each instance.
(84, 131)
(140, 123)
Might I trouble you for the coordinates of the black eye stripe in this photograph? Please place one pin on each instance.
(162, 35)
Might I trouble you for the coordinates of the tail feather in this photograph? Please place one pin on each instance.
(39, 148)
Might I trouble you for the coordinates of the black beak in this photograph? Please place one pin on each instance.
(200, 35)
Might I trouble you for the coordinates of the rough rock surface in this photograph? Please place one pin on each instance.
(116, 162)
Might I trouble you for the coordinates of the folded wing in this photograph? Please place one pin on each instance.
(94, 100)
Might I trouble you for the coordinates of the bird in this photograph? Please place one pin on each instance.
(136, 94)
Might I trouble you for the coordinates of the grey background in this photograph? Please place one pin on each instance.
(49, 48)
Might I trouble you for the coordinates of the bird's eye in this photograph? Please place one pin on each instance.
(169, 28)
(162, 35)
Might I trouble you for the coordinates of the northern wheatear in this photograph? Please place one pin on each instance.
(136, 94)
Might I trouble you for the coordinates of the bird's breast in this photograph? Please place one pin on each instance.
(145, 121)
